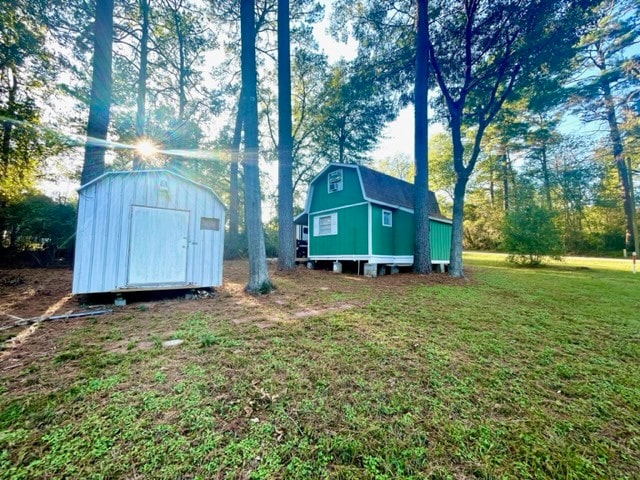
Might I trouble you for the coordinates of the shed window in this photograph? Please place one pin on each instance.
(325, 225)
(334, 181)
(387, 218)
(207, 223)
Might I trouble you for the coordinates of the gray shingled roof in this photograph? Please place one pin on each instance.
(383, 188)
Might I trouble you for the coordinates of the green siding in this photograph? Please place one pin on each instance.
(403, 232)
(383, 237)
(352, 234)
(353, 228)
(440, 238)
(398, 240)
(350, 194)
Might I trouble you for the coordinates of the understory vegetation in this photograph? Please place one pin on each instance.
(512, 373)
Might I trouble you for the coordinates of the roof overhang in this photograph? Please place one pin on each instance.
(297, 220)
(159, 170)
(302, 219)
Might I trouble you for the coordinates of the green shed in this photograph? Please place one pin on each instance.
(354, 213)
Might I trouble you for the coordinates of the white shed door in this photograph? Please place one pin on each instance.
(158, 246)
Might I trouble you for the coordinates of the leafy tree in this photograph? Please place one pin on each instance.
(233, 245)
(441, 174)
(144, 7)
(258, 274)
(21, 49)
(101, 87)
(38, 222)
(302, 13)
(158, 74)
(286, 234)
(354, 110)
(500, 142)
(480, 51)
(309, 74)
(574, 176)
(530, 235)
(602, 84)
(421, 250)
(385, 30)
(27, 67)
(309, 71)
(184, 36)
(399, 165)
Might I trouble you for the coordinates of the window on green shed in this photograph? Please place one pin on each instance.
(334, 181)
(325, 225)
(387, 218)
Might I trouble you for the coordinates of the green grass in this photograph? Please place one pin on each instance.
(516, 374)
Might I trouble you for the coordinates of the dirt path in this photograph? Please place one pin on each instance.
(298, 295)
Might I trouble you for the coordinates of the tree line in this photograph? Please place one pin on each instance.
(500, 76)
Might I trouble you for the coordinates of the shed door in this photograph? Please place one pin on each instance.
(158, 246)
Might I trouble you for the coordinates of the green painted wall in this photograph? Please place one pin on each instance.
(350, 194)
(352, 234)
(353, 223)
(440, 238)
(403, 233)
(383, 237)
(398, 240)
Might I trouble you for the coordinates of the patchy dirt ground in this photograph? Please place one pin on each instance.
(29, 293)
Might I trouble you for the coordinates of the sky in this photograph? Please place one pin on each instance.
(397, 137)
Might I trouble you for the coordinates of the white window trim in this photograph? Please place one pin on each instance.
(341, 181)
(390, 218)
(334, 225)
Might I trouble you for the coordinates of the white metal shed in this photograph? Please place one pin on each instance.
(147, 230)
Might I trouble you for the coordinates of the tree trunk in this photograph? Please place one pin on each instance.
(492, 188)
(7, 125)
(459, 189)
(545, 175)
(505, 182)
(234, 201)
(455, 267)
(138, 160)
(286, 234)
(101, 85)
(341, 146)
(422, 250)
(621, 166)
(258, 274)
(182, 74)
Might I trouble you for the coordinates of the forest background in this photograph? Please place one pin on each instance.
(564, 149)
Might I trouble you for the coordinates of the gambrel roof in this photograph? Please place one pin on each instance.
(383, 189)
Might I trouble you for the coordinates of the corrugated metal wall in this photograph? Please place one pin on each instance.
(104, 227)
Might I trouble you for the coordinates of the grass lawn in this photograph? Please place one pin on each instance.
(512, 373)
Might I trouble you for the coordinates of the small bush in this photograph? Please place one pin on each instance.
(207, 340)
(530, 235)
(39, 225)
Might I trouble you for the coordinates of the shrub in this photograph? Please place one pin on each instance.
(530, 235)
(36, 223)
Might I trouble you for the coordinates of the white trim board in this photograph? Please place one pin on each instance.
(370, 230)
(320, 212)
(402, 260)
